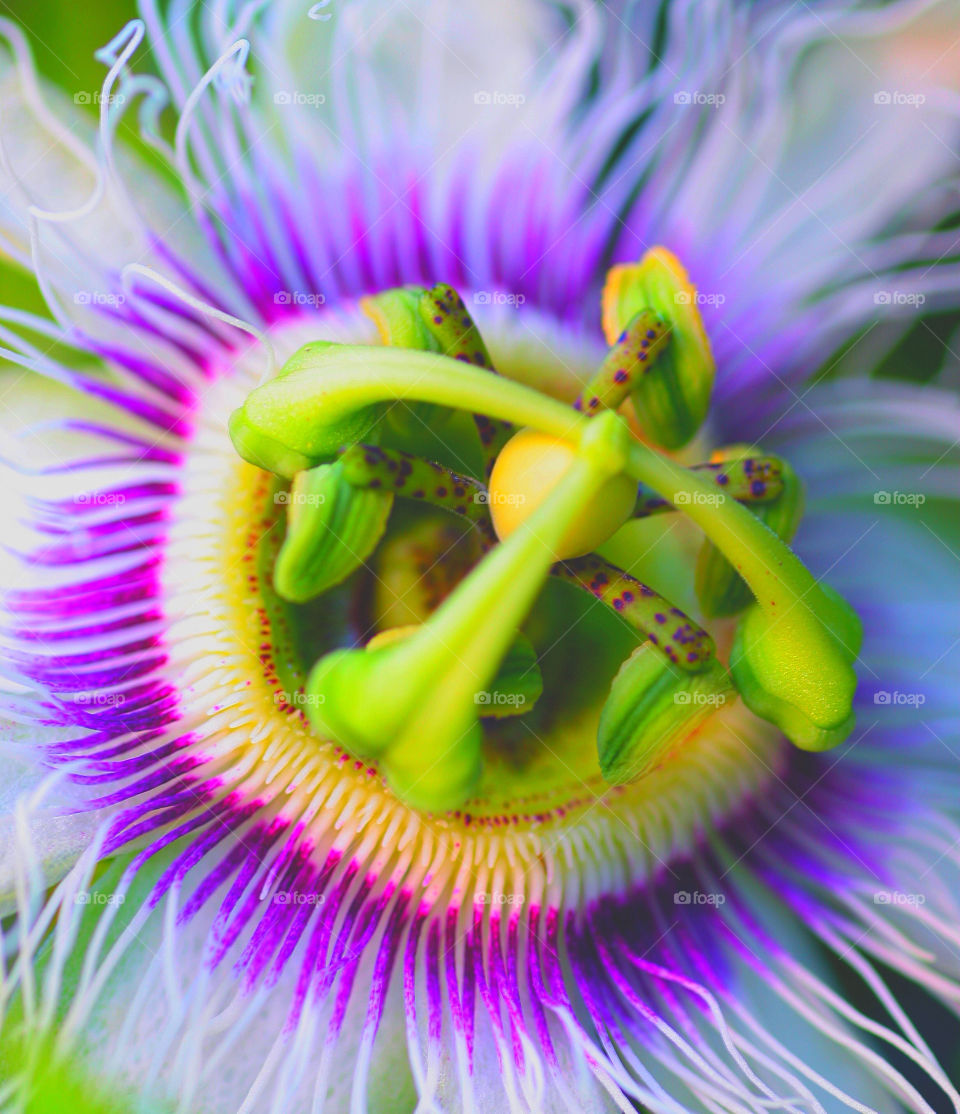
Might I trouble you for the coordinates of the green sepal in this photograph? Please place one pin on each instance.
(332, 528)
(517, 686)
(284, 429)
(720, 588)
(770, 662)
(652, 708)
(672, 399)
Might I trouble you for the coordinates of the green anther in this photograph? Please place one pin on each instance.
(771, 669)
(413, 703)
(447, 319)
(281, 431)
(753, 480)
(794, 659)
(720, 589)
(332, 528)
(674, 635)
(671, 403)
(632, 357)
(653, 708)
(328, 396)
(376, 468)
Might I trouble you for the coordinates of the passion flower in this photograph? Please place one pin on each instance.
(267, 854)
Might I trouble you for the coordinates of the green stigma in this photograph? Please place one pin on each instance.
(552, 485)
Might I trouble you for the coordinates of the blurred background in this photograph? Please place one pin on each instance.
(64, 37)
(64, 44)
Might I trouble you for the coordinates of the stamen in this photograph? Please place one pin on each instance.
(720, 588)
(373, 467)
(750, 480)
(632, 356)
(675, 635)
(793, 660)
(437, 320)
(331, 395)
(671, 403)
(396, 314)
(448, 320)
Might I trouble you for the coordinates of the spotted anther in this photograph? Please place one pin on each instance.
(670, 630)
(372, 466)
(448, 320)
(751, 480)
(634, 353)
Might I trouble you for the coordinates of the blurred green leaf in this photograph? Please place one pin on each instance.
(63, 44)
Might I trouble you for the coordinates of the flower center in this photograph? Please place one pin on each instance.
(590, 654)
(540, 769)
